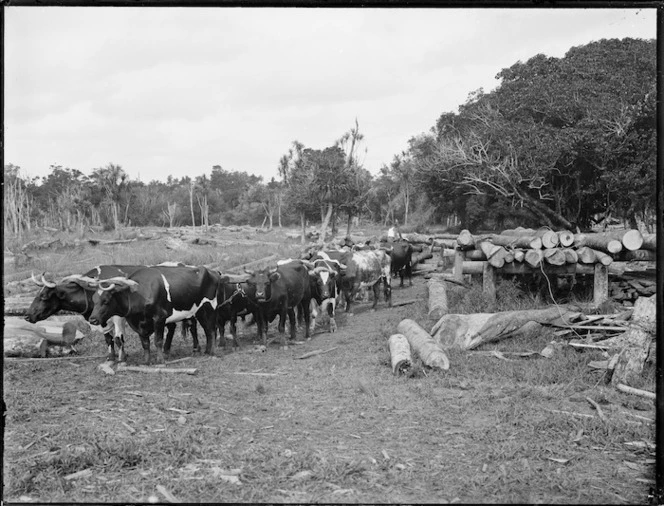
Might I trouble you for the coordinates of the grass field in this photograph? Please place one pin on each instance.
(337, 427)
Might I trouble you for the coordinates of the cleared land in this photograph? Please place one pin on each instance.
(336, 427)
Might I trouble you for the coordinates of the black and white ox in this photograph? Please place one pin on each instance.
(363, 269)
(324, 275)
(153, 297)
(278, 292)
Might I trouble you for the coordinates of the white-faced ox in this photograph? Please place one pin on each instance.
(153, 297)
(324, 275)
(363, 269)
(277, 292)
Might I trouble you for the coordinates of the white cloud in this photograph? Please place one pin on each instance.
(176, 90)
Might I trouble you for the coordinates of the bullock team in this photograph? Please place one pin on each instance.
(152, 299)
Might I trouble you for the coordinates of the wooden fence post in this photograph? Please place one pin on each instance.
(601, 284)
(459, 257)
(489, 281)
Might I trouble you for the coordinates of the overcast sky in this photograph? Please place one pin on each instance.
(175, 91)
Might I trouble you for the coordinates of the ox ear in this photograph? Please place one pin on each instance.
(274, 276)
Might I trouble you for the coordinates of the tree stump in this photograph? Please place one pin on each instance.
(639, 336)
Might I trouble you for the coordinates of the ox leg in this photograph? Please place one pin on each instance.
(207, 318)
(314, 313)
(387, 290)
(376, 292)
(236, 343)
(193, 328)
(108, 337)
(292, 319)
(350, 296)
(159, 327)
(409, 273)
(330, 303)
(304, 305)
(170, 332)
(145, 343)
(119, 330)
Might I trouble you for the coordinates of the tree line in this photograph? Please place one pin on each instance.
(564, 142)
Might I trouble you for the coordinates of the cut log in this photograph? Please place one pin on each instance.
(507, 241)
(437, 302)
(519, 255)
(649, 242)
(548, 236)
(533, 257)
(458, 265)
(421, 257)
(565, 238)
(495, 254)
(639, 335)
(601, 242)
(465, 240)
(475, 254)
(468, 331)
(586, 255)
(431, 354)
(554, 256)
(641, 255)
(23, 343)
(509, 256)
(63, 333)
(400, 354)
(518, 231)
(632, 240)
(571, 256)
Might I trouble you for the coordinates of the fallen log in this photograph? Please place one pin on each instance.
(317, 352)
(518, 231)
(29, 345)
(54, 332)
(96, 242)
(404, 302)
(400, 354)
(164, 370)
(254, 262)
(437, 302)
(431, 354)
(601, 242)
(636, 391)
(468, 241)
(475, 254)
(424, 269)
(421, 257)
(640, 255)
(639, 335)
(468, 331)
(519, 255)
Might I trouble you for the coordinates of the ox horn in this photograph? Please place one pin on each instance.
(35, 280)
(48, 284)
(106, 289)
(308, 264)
(81, 280)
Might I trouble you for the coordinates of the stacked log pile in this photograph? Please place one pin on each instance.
(562, 252)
